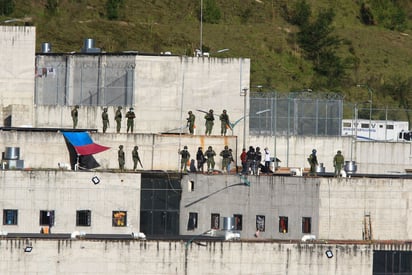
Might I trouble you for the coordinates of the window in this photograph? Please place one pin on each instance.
(306, 225)
(392, 262)
(10, 217)
(238, 221)
(283, 224)
(83, 217)
(390, 127)
(364, 125)
(47, 217)
(260, 223)
(119, 218)
(192, 222)
(215, 221)
(347, 124)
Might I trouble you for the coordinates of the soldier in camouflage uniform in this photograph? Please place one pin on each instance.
(118, 118)
(209, 122)
(75, 116)
(105, 118)
(210, 155)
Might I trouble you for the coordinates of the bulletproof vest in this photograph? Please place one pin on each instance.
(185, 154)
(209, 154)
(226, 154)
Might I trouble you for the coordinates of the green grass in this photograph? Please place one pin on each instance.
(249, 28)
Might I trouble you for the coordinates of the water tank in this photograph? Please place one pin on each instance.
(46, 47)
(228, 223)
(12, 153)
(350, 167)
(320, 168)
(88, 43)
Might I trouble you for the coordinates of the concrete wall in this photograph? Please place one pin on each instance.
(17, 72)
(336, 206)
(164, 89)
(29, 192)
(175, 257)
(371, 157)
(157, 152)
(269, 196)
(344, 203)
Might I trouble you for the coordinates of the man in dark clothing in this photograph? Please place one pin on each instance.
(251, 159)
(75, 116)
(200, 158)
(136, 158)
(120, 158)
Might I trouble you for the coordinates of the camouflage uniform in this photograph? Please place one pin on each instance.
(191, 122)
(210, 154)
(105, 118)
(224, 119)
(209, 122)
(130, 120)
(120, 158)
(75, 116)
(118, 118)
(185, 158)
(338, 161)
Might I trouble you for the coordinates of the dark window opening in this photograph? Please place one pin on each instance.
(283, 224)
(215, 221)
(83, 217)
(47, 217)
(192, 222)
(238, 221)
(306, 225)
(390, 127)
(119, 218)
(9, 217)
(392, 262)
(260, 223)
(364, 125)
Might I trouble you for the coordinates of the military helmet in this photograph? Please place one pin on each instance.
(185, 147)
(226, 147)
(77, 106)
(200, 148)
(211, 111)
(131, 109)
(190, 112)
(224, 111)
(339, 151)
(210, 147)
(257, 148)
(120, 146)
(136, 147)
(119, 107)
(105, 109)
(314, 151)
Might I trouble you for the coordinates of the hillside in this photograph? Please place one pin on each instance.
(254, 29)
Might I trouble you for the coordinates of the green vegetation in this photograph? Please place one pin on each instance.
(329, 46)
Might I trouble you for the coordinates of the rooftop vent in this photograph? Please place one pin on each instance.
(88, 46)
(46, 47)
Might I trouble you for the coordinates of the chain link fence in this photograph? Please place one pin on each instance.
(298, 113)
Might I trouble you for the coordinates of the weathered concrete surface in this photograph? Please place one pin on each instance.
(17, 57)
(339, 208)
(30, 192)
(371, 157)
(157, 152)
(174, 257)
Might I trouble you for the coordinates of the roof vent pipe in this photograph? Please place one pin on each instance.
(46, 47)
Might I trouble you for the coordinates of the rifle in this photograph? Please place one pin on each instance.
(141, 163)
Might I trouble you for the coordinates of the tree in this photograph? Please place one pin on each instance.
(6, 7)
